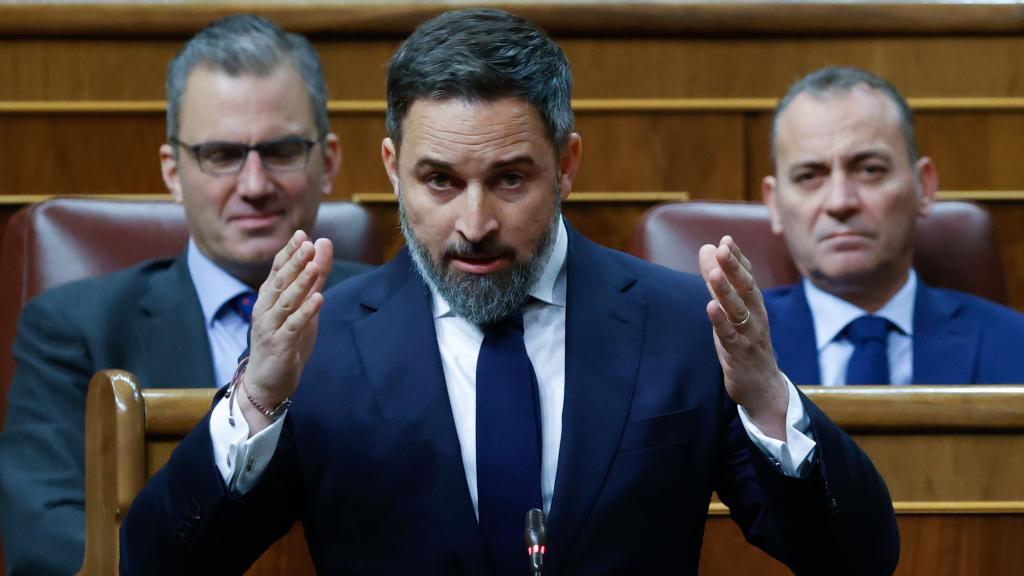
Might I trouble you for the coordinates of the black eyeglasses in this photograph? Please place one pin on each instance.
(281, 155)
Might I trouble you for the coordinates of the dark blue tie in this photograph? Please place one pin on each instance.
(870, 361)
(242, 304)
(507, 443)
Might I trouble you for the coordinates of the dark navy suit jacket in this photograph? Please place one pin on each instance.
(145, 319)
(369, 459)
(958, 338)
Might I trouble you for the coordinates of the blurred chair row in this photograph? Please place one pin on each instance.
(62, 240)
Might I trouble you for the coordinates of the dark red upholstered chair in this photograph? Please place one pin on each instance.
(955, 246)
(65, 239)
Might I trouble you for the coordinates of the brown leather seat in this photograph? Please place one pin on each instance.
(66, 239)
(955, 246)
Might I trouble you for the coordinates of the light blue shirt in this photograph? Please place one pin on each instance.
(226, 329)
(831, 314)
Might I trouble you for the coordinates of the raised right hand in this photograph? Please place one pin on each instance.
(284, 323)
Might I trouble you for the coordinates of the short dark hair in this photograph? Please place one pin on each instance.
(832, 80)
(481, 55)
(246, 44)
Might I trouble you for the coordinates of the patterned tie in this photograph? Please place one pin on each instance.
(507, 443)
(870, 361)
(242, 304)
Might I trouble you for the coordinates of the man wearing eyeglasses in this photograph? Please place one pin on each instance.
(249, 155)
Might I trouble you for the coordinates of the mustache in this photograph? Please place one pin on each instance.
(487, 248)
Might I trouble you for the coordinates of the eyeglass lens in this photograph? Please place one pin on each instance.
(284, 154)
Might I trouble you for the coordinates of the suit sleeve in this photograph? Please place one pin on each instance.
(42, 470)
(837, 520)
(186, 521)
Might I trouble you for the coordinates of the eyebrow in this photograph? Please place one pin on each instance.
(437, 164)
(858, 157)
(873, 153)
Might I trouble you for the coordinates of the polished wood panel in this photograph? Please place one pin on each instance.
(947, 526)
(589, 17)
(931, 545)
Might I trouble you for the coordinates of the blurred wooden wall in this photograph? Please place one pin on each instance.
(673, 100)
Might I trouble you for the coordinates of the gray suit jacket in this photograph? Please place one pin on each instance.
(145, 319)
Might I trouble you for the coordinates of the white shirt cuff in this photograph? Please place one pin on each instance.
(240, 459)
(794, 456)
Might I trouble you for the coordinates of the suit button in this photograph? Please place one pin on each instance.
(833, 503)
(195, 510)
(181, 530)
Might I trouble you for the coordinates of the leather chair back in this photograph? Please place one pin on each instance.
(955, 245)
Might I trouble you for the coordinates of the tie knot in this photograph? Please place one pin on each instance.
(512, 323)
(242, 304)
(868, 328)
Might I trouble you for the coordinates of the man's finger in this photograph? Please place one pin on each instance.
(734, 247)
(727, 298)
(739, 277)
(295, 293)
(324, 260)
(299, 320)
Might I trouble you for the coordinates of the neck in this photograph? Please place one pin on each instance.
(868, 294)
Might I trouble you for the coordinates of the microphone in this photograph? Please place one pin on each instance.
(536, 540)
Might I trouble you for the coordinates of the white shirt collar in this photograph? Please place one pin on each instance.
(213, 285)
(549, 287)
(831, 314)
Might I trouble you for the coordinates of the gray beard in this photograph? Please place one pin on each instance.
(481, 298)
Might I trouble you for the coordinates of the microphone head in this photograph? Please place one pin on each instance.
(536, 530)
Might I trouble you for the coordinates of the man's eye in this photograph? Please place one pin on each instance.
(220, 154)
(873, 170)
(804, 178)
(440, 181)
(510, 180)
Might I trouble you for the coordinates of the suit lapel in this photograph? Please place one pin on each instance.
(398, 345)
(792, 331)
(945, 349)
(604, 334)
(169, 329)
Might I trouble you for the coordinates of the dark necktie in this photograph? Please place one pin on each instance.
(870, 361)
(242, 304)
(508, 453)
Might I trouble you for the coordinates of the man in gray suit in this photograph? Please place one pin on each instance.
(249, 155)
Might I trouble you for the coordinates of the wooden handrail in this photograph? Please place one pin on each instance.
(115, 450)
(922, 409)
(397, 18)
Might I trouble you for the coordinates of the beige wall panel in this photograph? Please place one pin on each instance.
(136, 69)
(80, 154)
(662, 152)
(1009, 223)
(361, 166)
(131, 68)
(741, 67)
(974, 150)
(59, 69)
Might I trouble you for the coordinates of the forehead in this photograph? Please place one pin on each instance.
(461, 131)
(839, 124)
(215, 102)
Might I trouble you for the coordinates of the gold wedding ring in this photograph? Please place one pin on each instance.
(744, 321)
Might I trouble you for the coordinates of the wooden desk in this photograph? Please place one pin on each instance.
(951, 456)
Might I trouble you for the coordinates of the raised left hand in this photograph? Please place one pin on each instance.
(742, 338)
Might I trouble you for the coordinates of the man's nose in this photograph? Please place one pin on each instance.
(842, 194)
(476, 219)
(252, 179)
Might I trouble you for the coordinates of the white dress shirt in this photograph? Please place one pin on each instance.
(831, 314)
(227, 331)
(459, 343)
